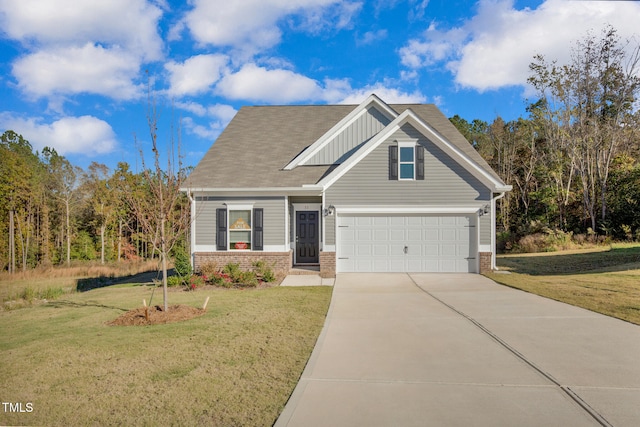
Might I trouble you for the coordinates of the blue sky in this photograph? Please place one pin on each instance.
(74, 73)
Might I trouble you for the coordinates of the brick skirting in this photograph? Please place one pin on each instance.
(327, 264)
(281, 261)
(485, 262)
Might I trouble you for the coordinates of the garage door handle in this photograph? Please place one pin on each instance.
(406, 249)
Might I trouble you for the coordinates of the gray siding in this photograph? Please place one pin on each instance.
(344, 143)
(446, 183)
(485, 230)
(274, 217)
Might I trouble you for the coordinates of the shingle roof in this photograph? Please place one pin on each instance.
(260, 141)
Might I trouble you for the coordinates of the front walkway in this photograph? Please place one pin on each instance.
(460, 350)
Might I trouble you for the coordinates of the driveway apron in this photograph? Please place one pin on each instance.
(460, 350)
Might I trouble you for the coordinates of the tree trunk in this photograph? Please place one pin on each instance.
(102, 227)
(12, 242)
(163, 251)
(68, 234)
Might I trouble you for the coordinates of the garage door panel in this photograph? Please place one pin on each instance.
(434, 243)
(397, 235)
(381, 250)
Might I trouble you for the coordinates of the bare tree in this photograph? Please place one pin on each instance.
(159, 205)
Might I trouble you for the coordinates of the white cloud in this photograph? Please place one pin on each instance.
(197, 74)
(82, 47)
(220, 114)
(253, 24)
(73, 70)
(256, 83)
(86, 135)
(495, 47)
(372, 36)
(129, 24)
(387, 94)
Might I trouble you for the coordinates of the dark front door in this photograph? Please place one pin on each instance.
(307, 237)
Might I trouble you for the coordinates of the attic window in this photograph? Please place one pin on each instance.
(407, 159)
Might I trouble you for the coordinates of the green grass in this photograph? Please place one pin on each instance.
(605, 280)
(234, 366)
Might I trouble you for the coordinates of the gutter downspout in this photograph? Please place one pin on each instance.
(493, 229)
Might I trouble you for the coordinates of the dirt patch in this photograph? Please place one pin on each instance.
(156, 315)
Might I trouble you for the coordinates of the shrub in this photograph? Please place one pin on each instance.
(264, 271)
(247, 279)
(182, 263)
(174, 281)
(209, 269)
(233, 270)
(195, 282)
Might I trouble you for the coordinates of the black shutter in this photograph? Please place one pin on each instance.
(419, 162)
(258, 235)
(393, 162)
(221, 229)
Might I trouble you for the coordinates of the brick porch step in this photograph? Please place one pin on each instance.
(306, 270)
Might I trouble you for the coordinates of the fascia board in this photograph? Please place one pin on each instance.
(307, 189)
(410, 117)
(347, 121)
(408, 209)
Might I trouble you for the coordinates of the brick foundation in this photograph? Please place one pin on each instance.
(327, 264)
(485, 262)
(281, 261)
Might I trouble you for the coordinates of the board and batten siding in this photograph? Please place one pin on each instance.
(344, 143)
(274, 217)
(446, 184)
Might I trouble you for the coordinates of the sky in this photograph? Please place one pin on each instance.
(78, 75)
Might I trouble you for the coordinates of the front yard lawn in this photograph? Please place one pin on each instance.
(234, 366)
(606, 281)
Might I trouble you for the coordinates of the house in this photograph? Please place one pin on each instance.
(367, 188)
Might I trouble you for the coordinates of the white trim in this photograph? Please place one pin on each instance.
(407, 144)
(192, 239)
(206, 248)
(273, 248)
(329, 248)
(339, 127)
(409, 116)
(287, 243)
(484, 248)
(239, 207)
(494, 229)
(312, 190)
(406, 210)
(267, 248)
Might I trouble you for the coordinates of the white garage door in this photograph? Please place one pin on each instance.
(406, 243)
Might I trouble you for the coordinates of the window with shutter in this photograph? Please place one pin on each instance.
(393, 162)
(221, 229)
(258, 234)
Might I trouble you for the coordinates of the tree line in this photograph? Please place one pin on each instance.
(53, 212)
(574, 161)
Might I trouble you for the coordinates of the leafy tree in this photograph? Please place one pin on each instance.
(586, 109)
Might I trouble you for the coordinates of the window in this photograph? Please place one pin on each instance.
(407, 161)
(240, 229)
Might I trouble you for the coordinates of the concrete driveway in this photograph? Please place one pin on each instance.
(460, 350)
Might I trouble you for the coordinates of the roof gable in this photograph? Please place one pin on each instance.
(337, 144)
(482, 173)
